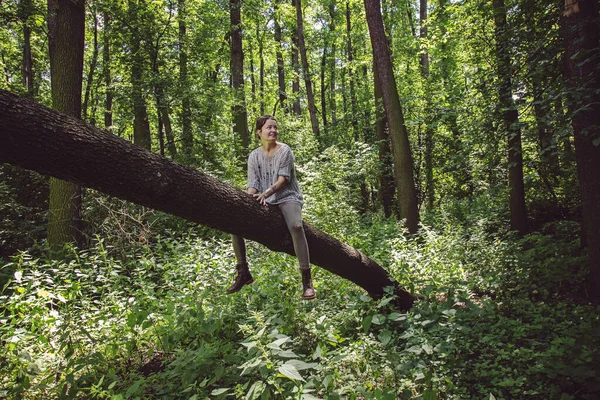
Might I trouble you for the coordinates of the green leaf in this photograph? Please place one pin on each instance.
(367, 323)
(277, 343)
(217, 392)
(378, 319)
(429, 394)
(287, 354)
(385, 337)
(290, 371)
(301, 365)
(396, 316)
(134, 388)
(256, 390)
(428, 349)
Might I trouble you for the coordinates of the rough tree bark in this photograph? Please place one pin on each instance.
(582, 75)
(403, 164)
(66, 31)
(386, 174)
(37, 138)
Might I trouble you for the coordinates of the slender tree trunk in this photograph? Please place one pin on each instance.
(386, 175)
(581, 36)
(141, 125)
(279, 56)
(240, 117)
(510, 116)
(350, 72)
(37, 138)
(323, 84)
(25, 10)
(261, 74)
(424, 63)
(66, 28)
(187, 137)
(108, 119)
(296, 67)
(90, 81)
(310, 97)
(403, 165)
(332, 65)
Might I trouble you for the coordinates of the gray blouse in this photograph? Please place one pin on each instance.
(263, 172)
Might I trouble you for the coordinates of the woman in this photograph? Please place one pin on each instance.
(272, 180)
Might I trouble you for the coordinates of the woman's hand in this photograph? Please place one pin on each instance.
(262, 197)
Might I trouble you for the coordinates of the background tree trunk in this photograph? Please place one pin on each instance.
(296, 68)
(240, 117)
(187, 136)
(403, 165)
(108, 117)
(43, 140)
(25, 10)
(510, 116)
(310, 97)
(66, 29)
(279, 56)
(386, 177)
(350, 73)
(92, 72)
(583, 79)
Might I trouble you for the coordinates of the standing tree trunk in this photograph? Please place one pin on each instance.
(66, 28)
(510, 116)
(296, 68)
(582, 75)
(350, 73)
(141, 126)
(108, 117)
(25, 10)
(403, 165)
(310, 97)
(279, 56)
(332, 65)
(240, 117)
(323, 85)
(424, 62)
(187, 137)
(547, 142)
(37, 138)
(386, 176)
(91, 73)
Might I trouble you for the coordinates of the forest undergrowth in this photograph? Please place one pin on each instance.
(495, 317)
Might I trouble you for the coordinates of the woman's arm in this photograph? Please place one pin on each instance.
(279, 183)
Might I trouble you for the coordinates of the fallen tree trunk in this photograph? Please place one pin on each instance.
(37, 138)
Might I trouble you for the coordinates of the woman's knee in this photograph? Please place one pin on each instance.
(296, 228)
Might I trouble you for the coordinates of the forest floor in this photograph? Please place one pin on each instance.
(495, 318)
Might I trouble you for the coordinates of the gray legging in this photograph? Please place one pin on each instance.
(292, 213)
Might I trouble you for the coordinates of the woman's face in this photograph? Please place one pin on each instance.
(268, 132)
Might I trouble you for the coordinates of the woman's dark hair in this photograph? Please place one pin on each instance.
(260, 122)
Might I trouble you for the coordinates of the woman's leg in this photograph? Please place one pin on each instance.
(239, 249)
(243, 276)
(292, 213)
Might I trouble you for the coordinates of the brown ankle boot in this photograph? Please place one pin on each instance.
(309, 292)
(244, 277)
